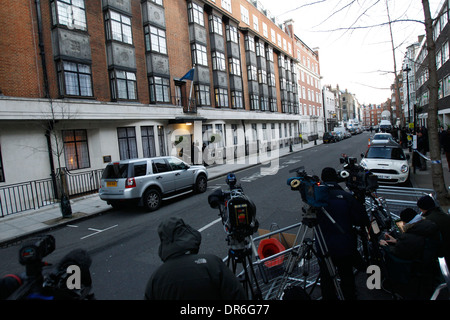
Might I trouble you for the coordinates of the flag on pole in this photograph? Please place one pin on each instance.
(189, 75)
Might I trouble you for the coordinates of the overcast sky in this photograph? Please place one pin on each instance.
(361, 60)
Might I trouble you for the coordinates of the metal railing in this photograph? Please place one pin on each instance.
(36, 194)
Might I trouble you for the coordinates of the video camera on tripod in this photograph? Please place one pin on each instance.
(312, 191)
(237, 211)
(54, 285)
(357, 179)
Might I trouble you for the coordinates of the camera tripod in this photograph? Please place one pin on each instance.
(305, 251)
(240, 253)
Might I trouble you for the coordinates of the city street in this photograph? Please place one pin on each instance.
(124, 244)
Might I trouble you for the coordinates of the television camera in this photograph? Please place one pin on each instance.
(363, 184)
(237, 210)
(35, 285)
(238, 215)
(357, 179)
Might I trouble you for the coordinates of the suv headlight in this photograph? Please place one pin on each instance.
(404, 168)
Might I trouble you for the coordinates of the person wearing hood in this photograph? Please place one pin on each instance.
(431, 211)
(186, 274)
(411, 258)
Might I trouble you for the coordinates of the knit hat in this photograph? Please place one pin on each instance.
(407, 215)
(426, 203)
(329, 175)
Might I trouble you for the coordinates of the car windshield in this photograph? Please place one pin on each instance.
(115, 171)
(385, 153)
(382, 137)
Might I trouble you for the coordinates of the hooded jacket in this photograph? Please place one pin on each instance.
(419, 238)
(187, 275)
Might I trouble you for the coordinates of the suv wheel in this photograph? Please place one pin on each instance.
(201, 184)
(152, 199)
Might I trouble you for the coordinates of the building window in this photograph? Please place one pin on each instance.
(254, 102)
(118, 27)
(234, 66)
(226, 4)
(123, 85)
(70, 13)
(159, 89)
(251, 73)
(264, 104)
(155, 39)
(260, 51)
(232, 33)
(273, 104)
(218, 60)
(244, 15)
(215, 24)
(249, 43)
(221, 96)
(262, 76)
(127, 143)
(196, 13)
(199, 54)
(269, 54)
(161, 140)
(76, 151)
(75, 79)
(255, 23)
(202, 95)
(236, 100)
(271, 79)
(148, 141)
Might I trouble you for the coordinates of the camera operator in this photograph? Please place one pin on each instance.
(187, 275)
(341, 239)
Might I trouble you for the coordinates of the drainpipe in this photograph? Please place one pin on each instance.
(46, 95)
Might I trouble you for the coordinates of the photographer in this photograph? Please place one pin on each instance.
(431, 211)
(341, 238)
(187, 275)
(411, 259)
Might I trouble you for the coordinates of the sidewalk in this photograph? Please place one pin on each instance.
(19, 225)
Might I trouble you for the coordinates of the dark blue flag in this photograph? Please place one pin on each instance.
(189, 75)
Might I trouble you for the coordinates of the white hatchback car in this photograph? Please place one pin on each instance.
(388, 162)
(381, 137)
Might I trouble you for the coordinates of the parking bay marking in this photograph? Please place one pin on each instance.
(97, 231)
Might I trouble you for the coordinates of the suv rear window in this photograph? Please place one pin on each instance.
(115, 171)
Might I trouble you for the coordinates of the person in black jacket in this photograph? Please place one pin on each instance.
(411, 258)
(186, 274)
(341, 237)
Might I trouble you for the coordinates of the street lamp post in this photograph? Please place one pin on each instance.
(407, 70)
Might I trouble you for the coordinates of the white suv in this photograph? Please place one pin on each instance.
(387, 161)
(149, 180)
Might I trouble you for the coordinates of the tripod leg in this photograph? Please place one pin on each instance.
(329, 264)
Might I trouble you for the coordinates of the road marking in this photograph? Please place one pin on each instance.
(97, 231)
(209, 225)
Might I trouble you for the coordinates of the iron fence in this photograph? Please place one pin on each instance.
(36, 194)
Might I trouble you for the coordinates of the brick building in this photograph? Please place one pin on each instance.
(84, 82)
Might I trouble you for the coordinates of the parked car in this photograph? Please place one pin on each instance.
(381, 137)
(339, 135)
(388, 162)
(147, 181)
(329, 137)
